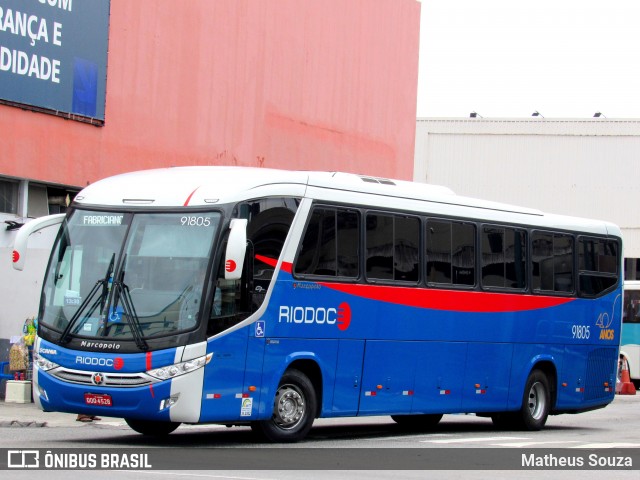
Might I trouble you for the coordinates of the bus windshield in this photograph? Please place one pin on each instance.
(128, 276)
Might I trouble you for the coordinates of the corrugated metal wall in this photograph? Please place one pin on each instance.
(586, 168)
(273, 83)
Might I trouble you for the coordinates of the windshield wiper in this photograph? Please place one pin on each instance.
(129, 310)
(130, 313)
(105, 283)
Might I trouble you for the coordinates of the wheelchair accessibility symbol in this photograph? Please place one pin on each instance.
(115, 316)
(260, 329)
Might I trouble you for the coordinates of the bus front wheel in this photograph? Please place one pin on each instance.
(152, 428)
(294, 409)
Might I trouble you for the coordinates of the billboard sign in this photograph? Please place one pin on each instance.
(53, 56)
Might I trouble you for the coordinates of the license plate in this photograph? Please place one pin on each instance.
(98, 399)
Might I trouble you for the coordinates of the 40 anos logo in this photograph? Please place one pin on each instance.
(604, 322)
(340, 316)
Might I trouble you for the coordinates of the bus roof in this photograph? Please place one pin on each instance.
(210, 185)
(191, 186)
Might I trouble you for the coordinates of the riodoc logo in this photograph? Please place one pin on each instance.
(340, 316)
(117, 363)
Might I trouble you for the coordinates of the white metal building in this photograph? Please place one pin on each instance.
(587, 168)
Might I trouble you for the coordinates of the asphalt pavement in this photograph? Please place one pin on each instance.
(29, 415)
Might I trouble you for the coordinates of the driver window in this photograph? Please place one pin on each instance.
(269, 220)
(226, 309)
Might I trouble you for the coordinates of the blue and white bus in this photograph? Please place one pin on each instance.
(270, 298)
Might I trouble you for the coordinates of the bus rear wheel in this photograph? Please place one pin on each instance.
(534, 411)
(418, 422)
(294, 409)
(152, 428)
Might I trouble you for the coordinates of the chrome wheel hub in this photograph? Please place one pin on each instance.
(536, 400)
(289, 407)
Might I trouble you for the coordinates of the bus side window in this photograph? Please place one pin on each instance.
(598, 265)
(450, 253)
(504, 254)
(392, 245)
(330, 246)
(552, 262)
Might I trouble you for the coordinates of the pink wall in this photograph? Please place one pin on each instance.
(300, 84)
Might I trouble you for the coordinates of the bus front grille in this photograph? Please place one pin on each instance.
(106, 379)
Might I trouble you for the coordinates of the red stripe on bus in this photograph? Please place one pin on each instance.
(148, 358)
(480, 302)
(186, 203)
(451, 300)
(272, 262)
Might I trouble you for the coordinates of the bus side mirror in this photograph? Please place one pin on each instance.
(236, 249)
(22, 237)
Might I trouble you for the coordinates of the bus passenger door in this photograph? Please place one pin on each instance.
(224, 395)
(346, 391)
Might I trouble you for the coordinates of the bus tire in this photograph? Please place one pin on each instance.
(152, 428)
(418, 422)
(536, 403)
(294, 409)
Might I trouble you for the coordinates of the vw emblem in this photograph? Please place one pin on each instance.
(97, 379)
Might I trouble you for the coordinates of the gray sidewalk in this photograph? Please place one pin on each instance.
(29, 415)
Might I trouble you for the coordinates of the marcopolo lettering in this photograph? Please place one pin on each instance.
(100, 345)
(95, 361)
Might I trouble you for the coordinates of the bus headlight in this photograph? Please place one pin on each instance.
(177, 369)
(42, 363)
